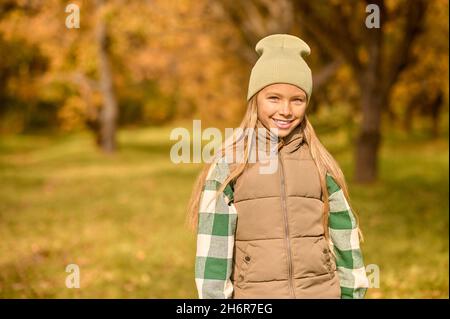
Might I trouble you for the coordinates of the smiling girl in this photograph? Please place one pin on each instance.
(285, 234)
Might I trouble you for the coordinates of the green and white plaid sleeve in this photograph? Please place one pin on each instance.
(345, 241)
(215, 236)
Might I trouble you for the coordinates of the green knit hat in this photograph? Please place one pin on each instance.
(281, 61)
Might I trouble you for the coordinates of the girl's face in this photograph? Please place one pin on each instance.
(281, 106)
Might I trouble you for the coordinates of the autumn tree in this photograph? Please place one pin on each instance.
(376, 56)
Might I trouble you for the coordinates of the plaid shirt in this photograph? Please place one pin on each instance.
(217, 225)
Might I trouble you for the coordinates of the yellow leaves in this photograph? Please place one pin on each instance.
(163, 41)
(156, 112)
(363, 56)
(188, 53)
(72, 113)
(140, 255)
(429, 73)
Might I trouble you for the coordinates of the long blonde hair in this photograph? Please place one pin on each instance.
(322, 158)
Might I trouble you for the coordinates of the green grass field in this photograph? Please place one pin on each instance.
(121, 218)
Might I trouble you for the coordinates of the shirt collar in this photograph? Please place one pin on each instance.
(289, 143)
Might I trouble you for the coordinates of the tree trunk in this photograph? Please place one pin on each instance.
(369, 137)
(109, 111)
(373, 97)
(408, 117)
(436, 107)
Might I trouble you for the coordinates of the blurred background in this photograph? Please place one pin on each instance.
(86, 113)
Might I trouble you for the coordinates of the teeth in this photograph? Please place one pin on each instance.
(282, 122)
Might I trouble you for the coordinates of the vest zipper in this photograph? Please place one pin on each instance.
(284, 208)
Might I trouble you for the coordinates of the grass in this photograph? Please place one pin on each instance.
(121, 217)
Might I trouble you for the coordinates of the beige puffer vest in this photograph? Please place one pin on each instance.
(280, 248)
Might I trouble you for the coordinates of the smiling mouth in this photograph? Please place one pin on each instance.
(283, 124)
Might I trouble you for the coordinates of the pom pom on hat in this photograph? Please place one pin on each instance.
(281, 61)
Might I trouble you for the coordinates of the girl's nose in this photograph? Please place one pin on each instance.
(285, 109)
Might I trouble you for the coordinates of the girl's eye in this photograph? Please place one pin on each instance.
(299, 100)
(273, 98)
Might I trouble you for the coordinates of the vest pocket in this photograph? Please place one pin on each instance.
(328, 258)
(244, 265)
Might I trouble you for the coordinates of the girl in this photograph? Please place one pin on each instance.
(289, 233)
